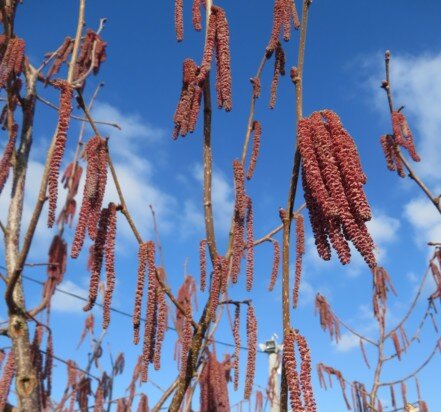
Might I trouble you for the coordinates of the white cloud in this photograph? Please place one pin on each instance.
(62, 302)
(347, 342)
(425, 220)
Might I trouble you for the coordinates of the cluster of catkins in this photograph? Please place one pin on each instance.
(243, 218)
(214, 385)
(403, 137)
(299, 384)
(71, 181)
(284, 11)
(103, 247)
(156, 316)
(95, 154)
(333, 182)
(217, 43)
(11, 58)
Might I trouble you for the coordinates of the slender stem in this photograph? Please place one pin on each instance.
(208, 170)
(166, 395)
(387, 87)
(77, 41)
(286, 221)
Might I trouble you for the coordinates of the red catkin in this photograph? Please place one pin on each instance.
(96, 258)
(179, 19)
(292, 376)
(12, 60)
(162, 317)
(222, 43)
(276, 262)
(250, 245)
(65, 111)
(328, 321)
(236, 335)
(142, 265)
(279, 69)
(300, 251)
(252, 350)
(203, 264)
(109, 252)
(5, 162)
(94, 188)
(6, 379)
(257, 133)
(403, 135)
(197, 15)
(305, 373)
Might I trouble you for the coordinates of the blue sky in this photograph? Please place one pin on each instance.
(343, 70)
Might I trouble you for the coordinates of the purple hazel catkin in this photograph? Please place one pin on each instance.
(109, 252)
(257, 133)
(276, 262)
(252, 350)
(142, 265)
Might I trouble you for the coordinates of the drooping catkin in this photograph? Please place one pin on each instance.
(396, 343)
(5, 162)
(250, 245)
(196, 15)
(210, 43)
(143, 405)
(278, 17)
(6, 379)
(162, 316)
(404, 393)
(187, 111)
(218, 283)
(252, 350)
(305, 373)
(185, 339)
(292, 376)
(279, 70)
(403, 135)
(257, 134)
(61, 56)
(109, 252)
(89, 324)
(48, 365)
(203, 264)
(332, 181)
(276, 262)
(239, 219)
(179, 19)
(236, 335)
(151, 313)
(64, 113)
(328, 321)
(223, 59)
(12, 60)
(392, 396)
(57, 259)
(300, 251)
(94, 188)
(97, 256)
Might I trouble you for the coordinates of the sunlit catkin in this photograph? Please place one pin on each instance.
(250, 245)
(94, 188)
(109, 252)
(276, 262)
(6, 379)
(257, 133)
(64, 113)
(292, 376)
(252, 350)
(179, 19)
(5, 162)
(203, 264)
(300, 250)
(279, 70)
(236, 335)
(142, 265)
(97, 256)
(305, 373)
